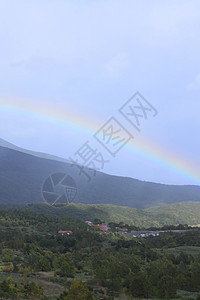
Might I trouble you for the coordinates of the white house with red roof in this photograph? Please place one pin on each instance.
(68, 232)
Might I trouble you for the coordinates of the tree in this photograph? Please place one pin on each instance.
(64, 265)
(138, 284)
(166, 287)
(44, 264)
(79, 291)
(7, 255)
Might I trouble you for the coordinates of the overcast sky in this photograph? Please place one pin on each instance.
(89, 58)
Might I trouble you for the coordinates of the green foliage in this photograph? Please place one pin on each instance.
(179, 213)
(13, 290)
(64, 265)
(79, 291)
(7, 255)
(151, 267)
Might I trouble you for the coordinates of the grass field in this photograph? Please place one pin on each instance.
(193, 250)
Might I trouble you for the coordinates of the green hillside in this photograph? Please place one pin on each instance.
(179, 213)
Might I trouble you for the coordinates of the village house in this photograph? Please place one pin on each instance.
(89, 223)
(67, 232)
(102, 227)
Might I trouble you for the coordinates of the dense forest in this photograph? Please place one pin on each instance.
(37, 262)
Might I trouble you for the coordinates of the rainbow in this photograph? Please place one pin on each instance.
(142, 147)
(174, 162)
(49, 112)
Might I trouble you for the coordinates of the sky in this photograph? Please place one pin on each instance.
(67, 67)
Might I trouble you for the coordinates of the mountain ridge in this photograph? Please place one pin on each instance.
(23, 174)
(4, 143)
